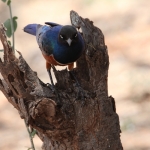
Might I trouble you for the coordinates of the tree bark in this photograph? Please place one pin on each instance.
(69, 124)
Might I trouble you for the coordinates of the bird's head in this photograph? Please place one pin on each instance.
(68, 34)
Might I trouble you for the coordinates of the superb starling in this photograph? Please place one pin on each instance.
(60, 45)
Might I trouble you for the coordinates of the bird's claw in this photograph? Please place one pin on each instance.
(51, 87)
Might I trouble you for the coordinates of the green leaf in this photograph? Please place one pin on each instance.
(1, 50)
(33, 133)
(4, 1)
(7, 24)
(8, 3)
(15, 17)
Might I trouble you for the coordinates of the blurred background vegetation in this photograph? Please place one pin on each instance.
(126, 26)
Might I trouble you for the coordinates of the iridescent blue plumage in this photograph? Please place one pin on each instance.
(50, 43)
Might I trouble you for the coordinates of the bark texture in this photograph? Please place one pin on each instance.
(69, 125)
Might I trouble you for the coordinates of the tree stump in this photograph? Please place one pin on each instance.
(69, 125)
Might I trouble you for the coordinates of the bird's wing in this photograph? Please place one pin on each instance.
(52, 24)
(33, 28)
(46, 36)
(44, 41)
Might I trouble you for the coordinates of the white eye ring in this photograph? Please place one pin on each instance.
(75, 35)
(61, 36)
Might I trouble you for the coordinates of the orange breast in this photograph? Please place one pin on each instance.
(51, 61)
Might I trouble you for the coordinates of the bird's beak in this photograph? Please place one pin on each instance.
(69, 41)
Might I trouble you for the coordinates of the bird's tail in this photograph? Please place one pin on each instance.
(31, 28)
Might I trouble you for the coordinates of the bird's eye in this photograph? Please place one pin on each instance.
(61, 36)
(75, 35)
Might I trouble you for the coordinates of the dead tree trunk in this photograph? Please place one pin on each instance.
(71, 125)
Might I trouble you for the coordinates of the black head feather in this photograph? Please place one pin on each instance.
(68, 34)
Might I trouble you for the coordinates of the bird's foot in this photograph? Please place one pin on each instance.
(51, 87)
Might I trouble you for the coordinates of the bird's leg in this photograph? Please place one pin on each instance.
(48, 66)
(51, 79)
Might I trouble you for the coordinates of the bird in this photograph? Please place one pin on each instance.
(60, 45)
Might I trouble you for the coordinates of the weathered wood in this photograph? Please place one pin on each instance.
(69, 125)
